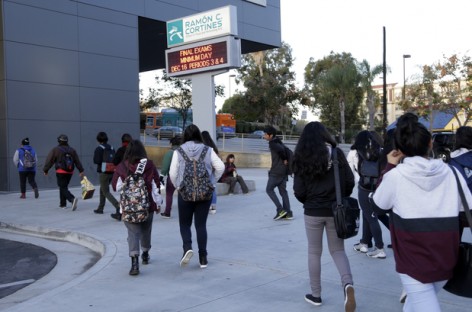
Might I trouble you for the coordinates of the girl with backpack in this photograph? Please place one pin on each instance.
(25, 159)
(137, 214)
(182, 176)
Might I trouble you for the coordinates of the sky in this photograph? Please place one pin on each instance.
(423, 29)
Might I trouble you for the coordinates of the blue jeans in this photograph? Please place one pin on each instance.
(420, 296)
(281, 184)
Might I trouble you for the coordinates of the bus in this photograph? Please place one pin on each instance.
(225, 123)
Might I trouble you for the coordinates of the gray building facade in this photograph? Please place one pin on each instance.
(72, 67)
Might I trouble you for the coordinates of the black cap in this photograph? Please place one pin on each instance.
(25, 141)
(62, 138)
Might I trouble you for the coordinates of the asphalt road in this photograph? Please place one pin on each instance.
(22, 264)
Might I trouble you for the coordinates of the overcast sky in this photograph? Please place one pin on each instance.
(423, 29)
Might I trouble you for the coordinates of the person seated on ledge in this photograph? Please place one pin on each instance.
(230, 176)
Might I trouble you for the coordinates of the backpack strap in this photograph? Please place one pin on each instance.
(203, 153)
(182, 152)
(141, 166)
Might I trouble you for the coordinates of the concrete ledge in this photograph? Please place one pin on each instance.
(223, 188)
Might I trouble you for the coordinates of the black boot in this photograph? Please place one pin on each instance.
(134, 265)
(145, 257)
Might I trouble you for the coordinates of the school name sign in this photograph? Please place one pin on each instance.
(210, 24)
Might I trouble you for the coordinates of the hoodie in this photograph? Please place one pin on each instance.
(462, 160)
(214, 164)
(423, 196)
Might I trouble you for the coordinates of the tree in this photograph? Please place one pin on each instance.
(174, 93)
(443, 86)
(334, 84)
(271, 93)
(367, 77)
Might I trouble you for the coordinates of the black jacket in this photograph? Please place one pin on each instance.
(318, 196)
(277, 153)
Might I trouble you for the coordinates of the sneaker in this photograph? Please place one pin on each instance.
(63, 206)
(361, 247)
(212, 209)
(280, 214)
(288, 216)
(98, 211)
(313, 300)
(203, 262)
(349, 299)
(186, 258)
(74, 204)
(403, 296)
(165, 215)
(116, 216)
(36, 193)
(377, 253)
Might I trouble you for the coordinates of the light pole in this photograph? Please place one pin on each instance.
(405, 56)
(229, 84)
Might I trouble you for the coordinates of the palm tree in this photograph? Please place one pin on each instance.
(367, 77)
(342, 79)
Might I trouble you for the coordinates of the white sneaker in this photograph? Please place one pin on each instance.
(361, 247)
(377, 253)
(212, 209)
(403, 296)
(349, 299)
(74, 204)
(186, 258)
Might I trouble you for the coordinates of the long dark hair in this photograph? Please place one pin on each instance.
(135, 151)
(463, 138)
(192, 133)
(311, 157)
(411, 137)
(208, 141)
(368, 144)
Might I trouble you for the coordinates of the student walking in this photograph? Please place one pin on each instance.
(103, 155)
(278, 175)
(64, 159)
(314, 187)
(120, 152)
(25, 159)
(193, 148)
(139, 234)
(170, 188)
(422, 197)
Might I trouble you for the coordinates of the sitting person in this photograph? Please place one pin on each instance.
(230, 176)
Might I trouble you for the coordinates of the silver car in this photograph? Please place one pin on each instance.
(167, 132)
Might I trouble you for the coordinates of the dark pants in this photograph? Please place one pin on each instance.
(187, 210)
(170, 189)
(63, 180)
(27, 175)
(232, 183)
(105, 179)
(281, 184)
(370, 222)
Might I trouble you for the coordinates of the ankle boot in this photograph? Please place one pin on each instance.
(23, 195)
(145, 257)
(134, 266)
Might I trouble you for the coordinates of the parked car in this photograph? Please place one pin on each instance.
(258, 134)
(443, 143)
(167, 132)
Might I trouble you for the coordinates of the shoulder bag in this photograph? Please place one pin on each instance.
(461, 282)
(346, 210)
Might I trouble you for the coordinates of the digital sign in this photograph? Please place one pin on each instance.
(200, 57)
(205, 56)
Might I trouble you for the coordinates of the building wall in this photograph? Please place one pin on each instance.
(72, 67)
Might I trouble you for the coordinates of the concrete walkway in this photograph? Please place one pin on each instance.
(255, 263)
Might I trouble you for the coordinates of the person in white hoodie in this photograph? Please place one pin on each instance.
(192, 146)
(422, 197)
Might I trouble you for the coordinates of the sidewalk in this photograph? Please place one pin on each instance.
(255, 263)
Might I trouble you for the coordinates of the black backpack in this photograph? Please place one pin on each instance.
(289, 155)
(369, 165)
(108, 165)
(196, 183)
(66, 162)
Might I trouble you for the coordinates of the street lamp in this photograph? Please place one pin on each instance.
(405, 56)
(229, 83)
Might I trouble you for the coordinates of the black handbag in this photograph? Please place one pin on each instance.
(346, 210)
(461, 282)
